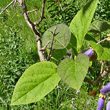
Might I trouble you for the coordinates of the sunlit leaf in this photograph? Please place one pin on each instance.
(73, 72)
(36, 82)
(62, 38)
(81, 22)
(99, 26)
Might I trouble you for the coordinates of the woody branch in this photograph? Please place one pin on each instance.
(30, 23)
(33, 28)
(42, 14)
(103, 74)
(51, 46)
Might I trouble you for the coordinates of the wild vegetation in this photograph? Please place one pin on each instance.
(47, 44)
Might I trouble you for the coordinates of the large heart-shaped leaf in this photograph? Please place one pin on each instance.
(36, 82)
(62, 38)
(58, 54)
(73, 72)
(81, 22)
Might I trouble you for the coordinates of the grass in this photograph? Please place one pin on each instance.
(61, 99)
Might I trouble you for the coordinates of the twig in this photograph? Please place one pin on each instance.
(7, 7)
(42, 14)
(102, 66)
(89, 81)
(44, 48)
(59, 1)
(15, 1)
(100, 77)
(108, 35)
(108, 39)
(36, 33)
(105, 73)
(51, 47)
(102, 40)
(32, 11)
(60, 5)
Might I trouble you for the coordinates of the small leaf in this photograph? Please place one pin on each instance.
(73, 72)
(36, 82)
(62, 38)
(106, 54)
(97, 47)
(103, 53)
(99, 26)
(81, 22)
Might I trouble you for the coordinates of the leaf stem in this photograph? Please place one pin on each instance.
(102, 40)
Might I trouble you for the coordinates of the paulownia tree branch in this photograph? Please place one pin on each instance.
(51, 47)
(89, 81)
(30, 23)
(45, 46)
(102, 66)
(33, 28)
(42, 14)
(32, 11)
(100, 77)
(105, 73)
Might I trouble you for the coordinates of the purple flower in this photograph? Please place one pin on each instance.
(108, 105)
(89, 52)
(77, 92)
(106, 89)
(88, 102)
(72, 107)
(100, 103)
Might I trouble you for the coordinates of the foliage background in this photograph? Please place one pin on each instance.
(18, 51)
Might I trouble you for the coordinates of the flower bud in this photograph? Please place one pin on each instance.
(93, 58)
(89, 52)
(108, 105)
(100, 103)
(93, 93)
(106, 89)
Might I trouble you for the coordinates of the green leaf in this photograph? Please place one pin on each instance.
(99, 26)
(36, 82)
(97, 47)
(103, 53)
(106, 54)
(62, 38)
(58, 54)
(81, 22)
(73, 72)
